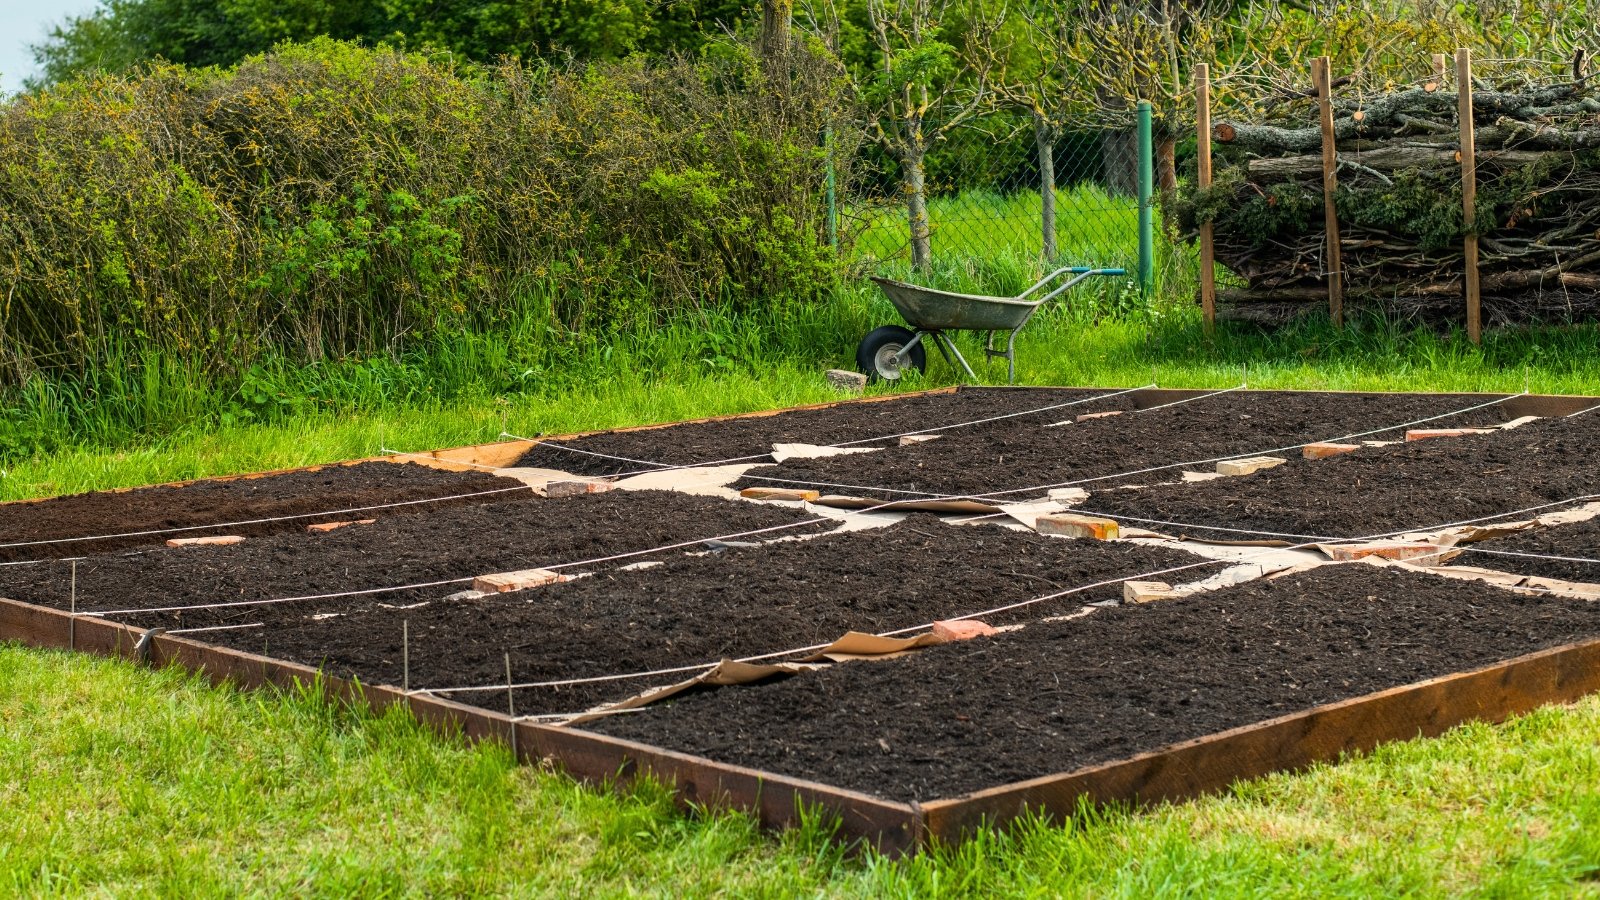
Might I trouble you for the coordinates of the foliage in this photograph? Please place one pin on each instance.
(326, 199)
(120, 34)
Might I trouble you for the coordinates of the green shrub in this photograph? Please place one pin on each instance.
(326, 200)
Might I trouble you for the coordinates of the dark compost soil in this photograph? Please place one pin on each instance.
(233, 500)
(1574, 542)
(452, 542)
(1013, 455)
(695, 609)
(1056, 697)
(1384, 489)
(699, 442)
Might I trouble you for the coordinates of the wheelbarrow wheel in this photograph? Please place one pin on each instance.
(877, 354)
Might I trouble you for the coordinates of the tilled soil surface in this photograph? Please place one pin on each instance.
(1126, 680)
(1576, 542)
(332, 487)
(1010, 455)
(693, 610)
(699, 442)
(452, 542)
(1373, 491)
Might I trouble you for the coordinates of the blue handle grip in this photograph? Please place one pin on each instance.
(1113, 271)
(1080, 270)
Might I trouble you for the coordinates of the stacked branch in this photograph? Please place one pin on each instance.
(1399, 204)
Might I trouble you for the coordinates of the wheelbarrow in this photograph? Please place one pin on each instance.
(886, 352)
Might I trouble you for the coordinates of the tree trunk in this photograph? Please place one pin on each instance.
(776, 16)
(913, 180)
(1044, 141)
(1119, 158)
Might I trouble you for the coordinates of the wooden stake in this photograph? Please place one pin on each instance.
(1469, 193)
(1321, 78)
(72, 623)
(1208, 248)
(405, 655)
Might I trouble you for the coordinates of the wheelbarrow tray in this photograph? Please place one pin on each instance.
(930, 310)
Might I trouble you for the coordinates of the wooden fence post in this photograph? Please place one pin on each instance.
(1321, 79)
(1469, 193)
(1208, 249)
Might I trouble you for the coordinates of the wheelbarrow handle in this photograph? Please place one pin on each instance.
(1078, 274)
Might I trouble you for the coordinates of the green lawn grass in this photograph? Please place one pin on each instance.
(126, 781)
(120, 780)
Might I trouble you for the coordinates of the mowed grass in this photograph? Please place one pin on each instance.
(131, 782)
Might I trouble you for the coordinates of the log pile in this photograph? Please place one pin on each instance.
(1399, 205)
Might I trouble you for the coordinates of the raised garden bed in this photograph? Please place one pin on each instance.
(1158, 701)
(1011, 455)
(1572, 544)
(1382, 489)
(455, 542)
(201, 503)
(753, 435)
(688, 611)
(1061, 696)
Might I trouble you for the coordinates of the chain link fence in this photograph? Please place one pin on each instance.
(987, 200)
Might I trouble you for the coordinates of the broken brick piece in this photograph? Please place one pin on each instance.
(1077, 526)
(575, 487)
(1099, 415)
(1246, 466)
(221, 540)
(506, 582)
(1422, 434)
(963, 629)
(773, 493)
(1146, 591)
(1397, 550)
(1325, 449)
(325, 527)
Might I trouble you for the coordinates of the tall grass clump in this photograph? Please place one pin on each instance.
(325, 201)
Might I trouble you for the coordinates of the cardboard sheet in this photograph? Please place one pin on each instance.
(786, 452)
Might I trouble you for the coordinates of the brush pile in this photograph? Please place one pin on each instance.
(1399, 204)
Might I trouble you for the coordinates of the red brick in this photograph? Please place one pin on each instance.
(575, 488)
(1077, 526)
(772, 493)
(1422, 434)
(1099, 415)
(325, 527)
(506, 582)
(221, 540)
(1325, 449)
(1385, 550)
(1246, 466)
(963, 629)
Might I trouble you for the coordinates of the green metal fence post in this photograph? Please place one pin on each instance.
(1147, 177)
(833, 194)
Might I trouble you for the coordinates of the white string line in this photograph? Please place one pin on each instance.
(334, 512)
(628, 555)
(1462, 548)
(665, 467)
(1043, 487)
(1046, 597)
(275, 600)
(469, 578)
(216, 628)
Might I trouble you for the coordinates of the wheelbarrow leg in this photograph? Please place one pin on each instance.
(1011, 358)
(947, 346)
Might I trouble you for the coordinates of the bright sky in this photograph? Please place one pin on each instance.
(24, 22)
